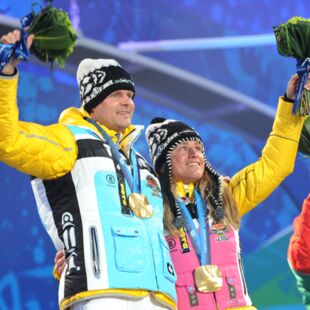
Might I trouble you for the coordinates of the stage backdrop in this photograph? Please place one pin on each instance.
(27, 254)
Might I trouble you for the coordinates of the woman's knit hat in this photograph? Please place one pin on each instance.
(163, 135)
(98, 78)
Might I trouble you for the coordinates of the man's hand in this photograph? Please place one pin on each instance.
(11, 38)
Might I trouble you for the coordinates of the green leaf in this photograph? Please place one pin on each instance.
(293, 37)
(54, 36)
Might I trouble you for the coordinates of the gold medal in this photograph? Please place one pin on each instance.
(208, 278)
(140, 205)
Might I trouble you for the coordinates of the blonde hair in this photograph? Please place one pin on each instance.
(231, 213)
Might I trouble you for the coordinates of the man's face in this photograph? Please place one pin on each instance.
(115, 111)
(187, 162)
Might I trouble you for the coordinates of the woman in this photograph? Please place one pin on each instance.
(202, 214)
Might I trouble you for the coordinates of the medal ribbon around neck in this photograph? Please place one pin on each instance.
(138, 202)
(132, 181)
(208, 278)
(200, 240)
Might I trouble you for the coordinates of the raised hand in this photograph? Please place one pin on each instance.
(11, 38)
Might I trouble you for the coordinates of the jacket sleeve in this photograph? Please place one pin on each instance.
(256, 182)
(299, 247)
(46, 152)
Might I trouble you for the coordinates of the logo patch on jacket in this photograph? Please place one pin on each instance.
(219, 230)
(171, 243)
(153, 185)
(110, 179)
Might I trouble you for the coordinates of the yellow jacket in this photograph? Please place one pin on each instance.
(251, 185)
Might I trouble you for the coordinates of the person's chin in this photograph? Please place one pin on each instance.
(192, 178)
(196, 176)
(125, 123)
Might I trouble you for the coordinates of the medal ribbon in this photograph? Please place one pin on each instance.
(200, 239)
(133, 181)
(303, 69)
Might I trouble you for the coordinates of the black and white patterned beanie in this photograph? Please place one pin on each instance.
(163, 135)
(98, 78)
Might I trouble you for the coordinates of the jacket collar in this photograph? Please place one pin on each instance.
(125, 139)
(185, 190)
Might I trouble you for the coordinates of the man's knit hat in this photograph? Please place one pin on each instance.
(98, 78)
(163, 135)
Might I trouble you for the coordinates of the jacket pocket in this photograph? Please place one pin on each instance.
(129, 253)
(168, 268)
(187, 294)
(231, 295)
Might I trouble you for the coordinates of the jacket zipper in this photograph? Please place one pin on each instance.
(245, 290)
(95, 252)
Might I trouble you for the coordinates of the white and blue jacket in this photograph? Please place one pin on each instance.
(106, 246)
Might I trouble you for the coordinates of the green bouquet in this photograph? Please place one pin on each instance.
(54, 36)
(293, 39)
(304, 142)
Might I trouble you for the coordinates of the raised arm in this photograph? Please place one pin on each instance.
(42, 151)
(256, 182)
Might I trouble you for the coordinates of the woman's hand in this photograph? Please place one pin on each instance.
(292, 85)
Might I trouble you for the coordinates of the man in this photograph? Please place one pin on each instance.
(95, 194)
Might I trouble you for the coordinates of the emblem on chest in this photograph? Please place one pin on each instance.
(219, 232)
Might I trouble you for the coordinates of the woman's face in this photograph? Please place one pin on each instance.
(187, 162)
